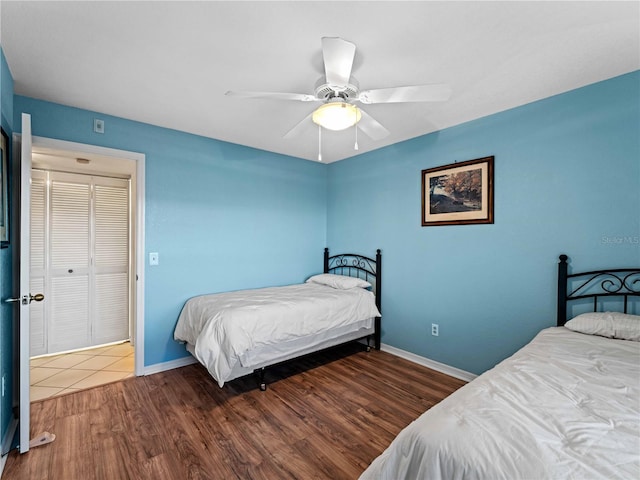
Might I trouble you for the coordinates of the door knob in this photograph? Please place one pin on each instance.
(38, 297)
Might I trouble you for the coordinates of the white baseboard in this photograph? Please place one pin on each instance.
(163, 367)
(426, 362)
(412, 357)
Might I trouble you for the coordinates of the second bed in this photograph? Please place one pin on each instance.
(237, 333)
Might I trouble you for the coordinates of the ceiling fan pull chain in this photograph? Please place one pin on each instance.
(319, 143)
(355, 125)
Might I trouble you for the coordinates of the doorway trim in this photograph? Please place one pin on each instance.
(82, 150)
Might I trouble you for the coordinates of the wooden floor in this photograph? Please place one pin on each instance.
(324, 417)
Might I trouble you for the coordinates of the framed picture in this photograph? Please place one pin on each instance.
(4, 204)
(458, 194)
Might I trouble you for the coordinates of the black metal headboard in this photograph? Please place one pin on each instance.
(369, 269)
(620, 283)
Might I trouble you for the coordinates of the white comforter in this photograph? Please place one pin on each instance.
(224, 326)
(566, 406)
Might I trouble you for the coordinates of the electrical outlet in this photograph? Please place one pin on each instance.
(435, 329)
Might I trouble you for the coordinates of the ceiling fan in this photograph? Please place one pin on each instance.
(339, 91)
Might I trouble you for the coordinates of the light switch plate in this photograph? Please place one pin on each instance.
(154, 258)
(98, 125)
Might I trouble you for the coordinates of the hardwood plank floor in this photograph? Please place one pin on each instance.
(326, 416)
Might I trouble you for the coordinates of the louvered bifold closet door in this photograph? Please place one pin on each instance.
(111, 260)
(37, 274)
(69, 326)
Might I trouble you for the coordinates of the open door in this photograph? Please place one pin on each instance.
(22, 237)
(25, 297)
(25, 266)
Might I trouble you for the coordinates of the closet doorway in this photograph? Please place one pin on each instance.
(82, 233)
(80, 260)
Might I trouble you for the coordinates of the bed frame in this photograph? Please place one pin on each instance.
(351, 265)
(619, 283)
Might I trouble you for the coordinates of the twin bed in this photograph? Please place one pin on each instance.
(565, 406)
(238, 333)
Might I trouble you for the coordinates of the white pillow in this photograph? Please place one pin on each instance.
(607, 324)
(338, 281)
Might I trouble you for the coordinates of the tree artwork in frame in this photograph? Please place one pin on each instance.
(458, 194)
(4, 206)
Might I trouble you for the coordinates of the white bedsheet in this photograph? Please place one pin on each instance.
(223, 327)
(566, 406)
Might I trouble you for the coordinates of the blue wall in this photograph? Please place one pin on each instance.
(6, 319)
(222, 216)
(567, 180)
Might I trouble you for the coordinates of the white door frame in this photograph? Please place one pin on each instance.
(82, 150)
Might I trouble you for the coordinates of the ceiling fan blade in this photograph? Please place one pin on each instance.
(298, 127)
(371, 127)
(300, 97)
(414, 93)
(338, 57)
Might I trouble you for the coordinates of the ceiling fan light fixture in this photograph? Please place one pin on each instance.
(336, 115)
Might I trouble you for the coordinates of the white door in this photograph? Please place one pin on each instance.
(25, 295)
(69, 263)
(110, 265)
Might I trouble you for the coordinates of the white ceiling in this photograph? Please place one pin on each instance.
(170, 63)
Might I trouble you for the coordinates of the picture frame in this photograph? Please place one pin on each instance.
(458, 194)
(4, 186)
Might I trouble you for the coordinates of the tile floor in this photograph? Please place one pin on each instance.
(70, 372)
